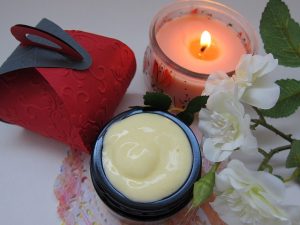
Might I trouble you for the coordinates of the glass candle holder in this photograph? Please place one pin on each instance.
(133, 212)
(171, 69)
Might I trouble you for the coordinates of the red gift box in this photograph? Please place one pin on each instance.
(67, 104)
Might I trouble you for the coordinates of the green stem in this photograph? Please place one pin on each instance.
(265, 163)
(262, 121)
(273, 129)
(269, 167)
(259, 113)
(263, 152)
(295, 174)
(215, 167)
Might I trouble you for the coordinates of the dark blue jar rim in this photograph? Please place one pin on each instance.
(149, 210)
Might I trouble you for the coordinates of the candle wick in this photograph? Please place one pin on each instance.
(203, 48)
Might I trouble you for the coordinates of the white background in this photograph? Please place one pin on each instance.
(29, 163)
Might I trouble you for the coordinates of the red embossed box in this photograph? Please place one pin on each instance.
(64, 97)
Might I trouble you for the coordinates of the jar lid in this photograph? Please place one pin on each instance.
(149, 211)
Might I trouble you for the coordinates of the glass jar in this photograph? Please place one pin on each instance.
(181, 84)
(157, 212)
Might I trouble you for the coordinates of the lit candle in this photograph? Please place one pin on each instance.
(190, 40)
(203, 48)
(180, 40)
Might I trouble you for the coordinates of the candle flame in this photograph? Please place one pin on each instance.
(205, 40)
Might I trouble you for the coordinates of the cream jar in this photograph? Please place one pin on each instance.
(144, 165)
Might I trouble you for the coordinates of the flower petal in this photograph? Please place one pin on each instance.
(264, 94)
(206, 124)
(271, 183)
(225, 126)
(249, 144)
(268, 62)
(240, 175)
(233, 179)
(243, 64)
(222, 181)
(212, 153)
(218, 81)
(293, 213)
(225, 213)
(225, 102)
(255, 65)
(252, 197)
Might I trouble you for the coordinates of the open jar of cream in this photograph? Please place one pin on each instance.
(144, 165)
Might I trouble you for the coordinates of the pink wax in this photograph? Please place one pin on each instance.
(175, 37)
(177, 64)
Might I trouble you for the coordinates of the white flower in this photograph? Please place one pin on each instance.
(251, 197)
(253, 81)
(218, 82)
(225, 127)
(255, 85)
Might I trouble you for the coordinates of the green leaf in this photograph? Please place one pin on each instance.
(280, 33)
(296, 174)
(196, 104)
(203, 188)
(298, 180)
(289, 99)
(186, 117)
(280, 177)
(157, 100)
(293, 159)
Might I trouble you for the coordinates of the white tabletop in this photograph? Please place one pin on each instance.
(29, 163)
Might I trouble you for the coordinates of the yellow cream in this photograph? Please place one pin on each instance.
(146, 157)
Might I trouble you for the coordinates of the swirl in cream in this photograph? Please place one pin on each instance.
(146, 157)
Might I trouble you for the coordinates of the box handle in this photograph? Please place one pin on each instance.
(32, 36)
